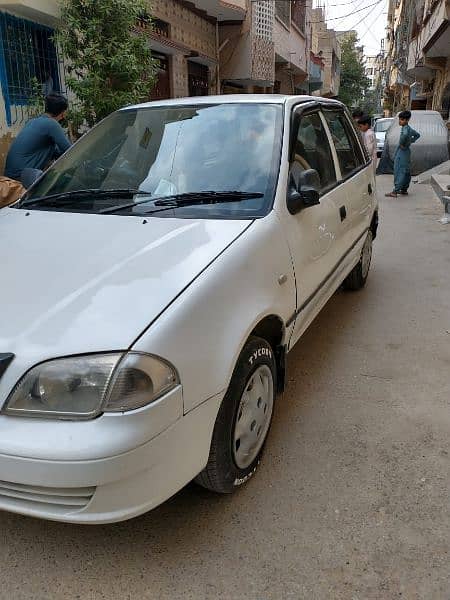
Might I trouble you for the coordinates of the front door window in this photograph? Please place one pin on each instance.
(312, 150)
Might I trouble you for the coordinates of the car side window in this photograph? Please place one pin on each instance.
(347, 147)
(312, 151)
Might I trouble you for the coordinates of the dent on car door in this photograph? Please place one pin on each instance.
(312, 231)
(358, 186)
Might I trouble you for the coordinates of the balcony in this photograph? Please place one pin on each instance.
(416, 67)
(249, 56)
(223, 10)
(436, 30)
(44, 11)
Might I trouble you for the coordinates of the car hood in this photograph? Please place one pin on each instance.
(74, 283)
(380, 135)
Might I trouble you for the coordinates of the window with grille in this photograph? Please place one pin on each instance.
(283, 11)
(28, 53)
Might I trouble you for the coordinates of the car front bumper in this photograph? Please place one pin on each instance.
(108, 488)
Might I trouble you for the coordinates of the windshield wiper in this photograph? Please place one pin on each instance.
(187, 199)
(82, 194)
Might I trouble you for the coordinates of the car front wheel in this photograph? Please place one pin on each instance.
(243, 421)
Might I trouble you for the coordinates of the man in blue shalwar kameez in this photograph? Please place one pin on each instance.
(402, 158)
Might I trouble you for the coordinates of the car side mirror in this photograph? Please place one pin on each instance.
(305, 192)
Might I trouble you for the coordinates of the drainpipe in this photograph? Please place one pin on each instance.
(218, 86)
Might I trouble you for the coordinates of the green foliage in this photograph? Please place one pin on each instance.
(36, 102)
(354, 82)
(109, 61)
(371, 103)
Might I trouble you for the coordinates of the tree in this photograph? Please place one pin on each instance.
(109, 61)
(354, 82)
(370, 104)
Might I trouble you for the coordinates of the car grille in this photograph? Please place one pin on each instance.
(56, 499)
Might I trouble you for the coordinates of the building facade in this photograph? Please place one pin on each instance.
(372, 73)
(184, 40)
(418, 56)
(325, 45)
(268, 51)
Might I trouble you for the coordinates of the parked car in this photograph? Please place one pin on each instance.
(156, 277)
(380, 128)
(431, 148)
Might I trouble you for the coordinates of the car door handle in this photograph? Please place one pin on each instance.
(343, 213)
(370, 189)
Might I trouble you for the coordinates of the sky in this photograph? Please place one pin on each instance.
(368, 17)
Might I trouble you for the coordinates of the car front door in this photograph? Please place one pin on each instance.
(312, 233)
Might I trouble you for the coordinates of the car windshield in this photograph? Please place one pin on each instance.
(171, 152)
(382, 126)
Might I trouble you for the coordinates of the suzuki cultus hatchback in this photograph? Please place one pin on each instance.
(153, 280)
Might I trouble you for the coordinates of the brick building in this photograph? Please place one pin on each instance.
(268, 51)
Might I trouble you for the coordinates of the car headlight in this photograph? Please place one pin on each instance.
(82, 387)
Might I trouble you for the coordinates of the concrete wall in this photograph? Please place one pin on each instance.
(291, 45)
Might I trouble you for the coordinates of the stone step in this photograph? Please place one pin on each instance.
(442, 169)
(441, 185)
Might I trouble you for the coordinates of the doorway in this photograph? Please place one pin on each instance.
(161, 90)
(198, 76)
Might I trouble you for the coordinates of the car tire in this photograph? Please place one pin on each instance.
(243, 420)
(358, 276)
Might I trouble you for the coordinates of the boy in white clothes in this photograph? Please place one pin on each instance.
(370, 139)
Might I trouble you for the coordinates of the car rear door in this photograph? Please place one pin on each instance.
(357, 181)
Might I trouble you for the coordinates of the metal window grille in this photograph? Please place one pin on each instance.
(27, 53)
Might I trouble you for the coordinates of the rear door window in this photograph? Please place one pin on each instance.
(348, 149)
(313, 151)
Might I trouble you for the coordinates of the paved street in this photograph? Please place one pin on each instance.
(352, 499)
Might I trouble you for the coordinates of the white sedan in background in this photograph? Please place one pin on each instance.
(380, 128)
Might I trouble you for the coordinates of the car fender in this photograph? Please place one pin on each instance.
(205, 328)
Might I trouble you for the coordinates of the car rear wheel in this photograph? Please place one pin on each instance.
(243, 421)
(358, 276)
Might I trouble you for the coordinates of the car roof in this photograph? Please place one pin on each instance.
(233, 99)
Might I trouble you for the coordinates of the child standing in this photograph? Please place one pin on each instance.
(402, 158)
(370, 140)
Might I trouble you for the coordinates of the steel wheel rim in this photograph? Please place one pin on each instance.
(253, 417)
(366, 256)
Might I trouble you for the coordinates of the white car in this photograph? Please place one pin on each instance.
(380, 128)
(153, 281)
